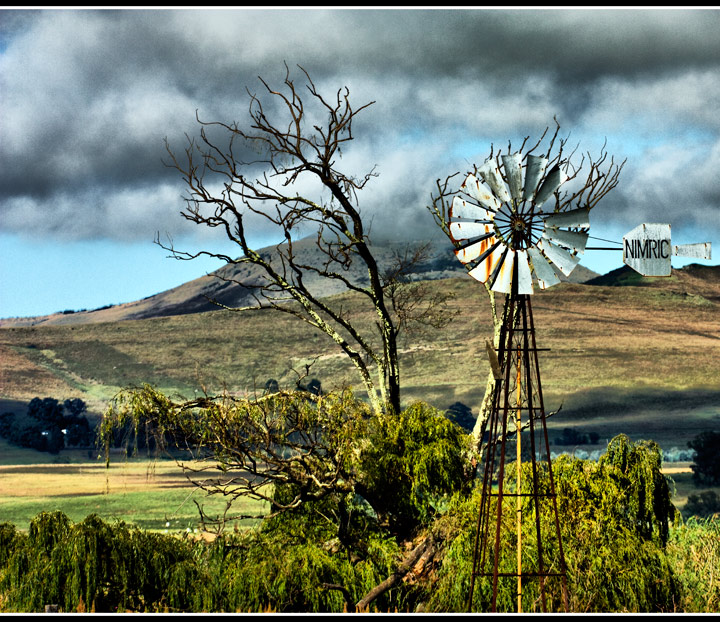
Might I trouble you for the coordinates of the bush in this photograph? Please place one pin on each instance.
(694, 553)
(47, 420)
(461, 414)
(615, 516)
(571, 436)
(706, 466)
(412, 462)
(704, 504)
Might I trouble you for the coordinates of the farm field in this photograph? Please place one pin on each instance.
(152, 494)
(639, 359)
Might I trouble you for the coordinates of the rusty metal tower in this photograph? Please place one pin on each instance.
(506, 240)
(518, 405)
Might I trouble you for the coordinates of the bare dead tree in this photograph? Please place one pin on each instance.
(603, 173)
(301, 141)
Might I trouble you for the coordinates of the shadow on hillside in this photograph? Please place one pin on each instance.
(671, 418)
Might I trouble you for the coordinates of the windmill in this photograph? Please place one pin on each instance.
(507, 237)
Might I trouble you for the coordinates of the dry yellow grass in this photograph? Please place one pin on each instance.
(92, 478)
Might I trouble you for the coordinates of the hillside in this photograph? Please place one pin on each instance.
(194, 296)
(692, 280)
(640, 359)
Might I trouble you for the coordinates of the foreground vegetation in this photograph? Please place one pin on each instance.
(93, 565)
(365, 511)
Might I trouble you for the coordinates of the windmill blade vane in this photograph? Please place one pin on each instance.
(572, 218)
(476, 249)
(554, 179)
(467, 230)
(534, 171)
(480, 192)
(543, 270)
(568, 239)
(559, 256)
(491, 174)
(513, 172)
(487, 263)
(502, 279)
(462, 209)
(524, 276)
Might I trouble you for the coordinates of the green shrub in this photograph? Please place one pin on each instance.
(615, 516)
(694, 553)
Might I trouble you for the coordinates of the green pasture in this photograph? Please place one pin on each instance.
(168, 511)
(152, 494)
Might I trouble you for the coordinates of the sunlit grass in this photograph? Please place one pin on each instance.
(142, 492)
(167, 511)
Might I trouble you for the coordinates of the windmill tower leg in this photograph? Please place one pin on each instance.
(517, 405)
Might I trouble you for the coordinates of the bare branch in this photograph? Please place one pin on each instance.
(224, 190)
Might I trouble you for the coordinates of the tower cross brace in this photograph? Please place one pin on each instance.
(517, 395)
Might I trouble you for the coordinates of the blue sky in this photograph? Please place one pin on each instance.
(87, 97)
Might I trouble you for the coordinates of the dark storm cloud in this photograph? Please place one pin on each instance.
(88, 96)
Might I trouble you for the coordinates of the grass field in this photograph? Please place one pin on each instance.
(153, 494)
(639, 360)
(613, 352)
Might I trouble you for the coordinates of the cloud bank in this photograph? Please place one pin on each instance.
(88, 96)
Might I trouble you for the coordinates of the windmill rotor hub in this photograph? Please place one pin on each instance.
(517, 223)
(515, 229)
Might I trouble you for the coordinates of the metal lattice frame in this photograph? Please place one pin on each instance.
(506, 240)
(518, 395)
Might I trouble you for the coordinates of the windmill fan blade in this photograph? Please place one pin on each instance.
(543, 270)
(467, 230)
(534, 172)
(491, 174)
(573, 218)
(555, 178)
(568, 239)
(503, 273)
(475, 250)
(487, 263)
(559, 256)
(463, 209)
(524, 277)
(480, 192)
(513, 172)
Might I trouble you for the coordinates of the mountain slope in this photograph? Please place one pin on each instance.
(195, 296)
(691, 280)
(640, 360)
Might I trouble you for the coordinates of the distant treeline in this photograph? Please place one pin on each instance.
(49, 426)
